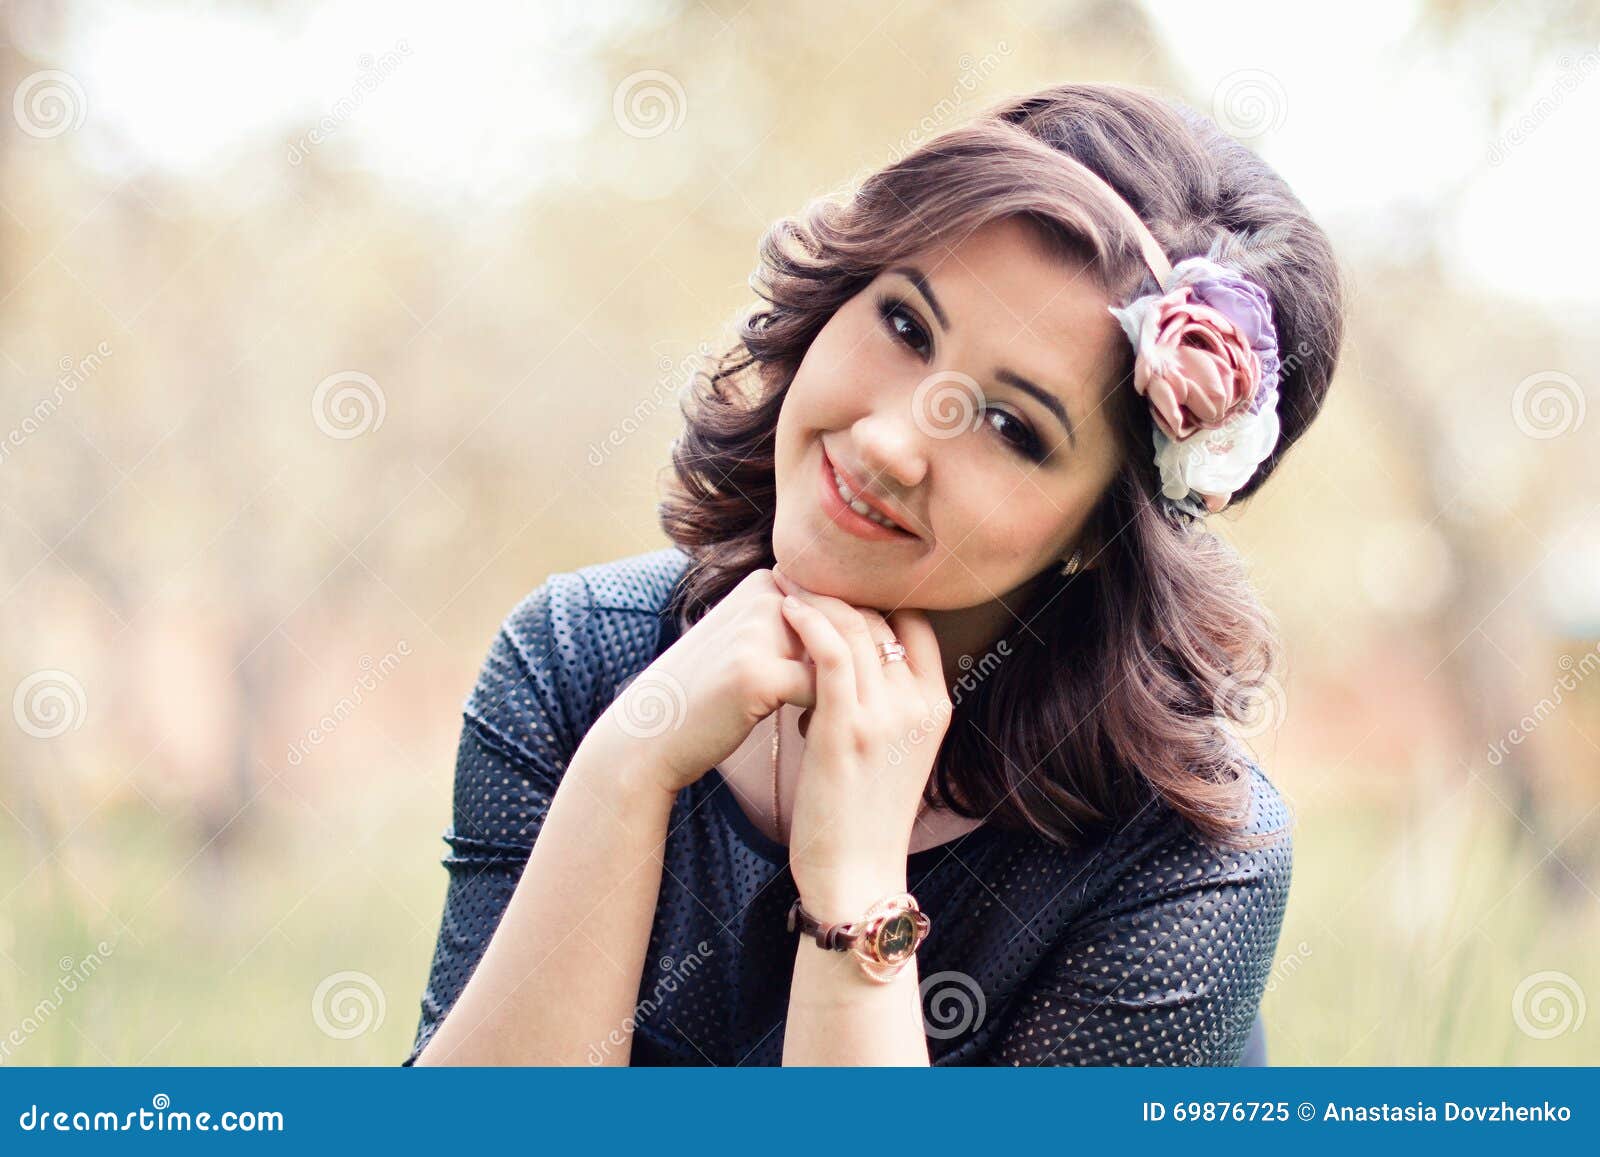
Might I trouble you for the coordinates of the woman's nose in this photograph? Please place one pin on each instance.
(891, 447)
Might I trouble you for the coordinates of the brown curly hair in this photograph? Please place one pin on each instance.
(1116, 685)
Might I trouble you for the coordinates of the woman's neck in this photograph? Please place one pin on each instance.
(975, 631)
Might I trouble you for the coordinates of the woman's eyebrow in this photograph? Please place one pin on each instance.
(914, 275)
(1044, 397)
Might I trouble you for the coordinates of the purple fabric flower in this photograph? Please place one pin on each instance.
(1244, 303)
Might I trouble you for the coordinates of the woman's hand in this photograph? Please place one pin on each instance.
(870, 746)
(693, 707)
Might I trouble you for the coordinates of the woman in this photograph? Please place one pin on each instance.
(914, 747)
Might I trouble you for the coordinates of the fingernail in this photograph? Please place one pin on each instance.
(791, 602)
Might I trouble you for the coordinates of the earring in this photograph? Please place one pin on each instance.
(1071, 566)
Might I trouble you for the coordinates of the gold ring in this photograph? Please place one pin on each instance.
(893, 651)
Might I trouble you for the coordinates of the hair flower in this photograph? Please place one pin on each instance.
(1206, 357)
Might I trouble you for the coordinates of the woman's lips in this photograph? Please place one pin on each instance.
(860, 525)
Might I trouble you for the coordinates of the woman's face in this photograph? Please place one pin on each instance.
(918, 388)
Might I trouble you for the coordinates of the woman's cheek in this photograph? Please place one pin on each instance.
(1009, 536)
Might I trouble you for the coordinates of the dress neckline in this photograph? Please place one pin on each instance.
(917, 863)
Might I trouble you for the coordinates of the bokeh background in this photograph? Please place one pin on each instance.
(328, 331)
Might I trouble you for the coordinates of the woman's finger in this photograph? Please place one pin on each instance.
(911, 627)
(862, 628)
(835, 664)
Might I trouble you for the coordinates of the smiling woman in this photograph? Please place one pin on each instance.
(872, 498)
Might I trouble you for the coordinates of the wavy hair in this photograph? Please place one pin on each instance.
(1119, 680)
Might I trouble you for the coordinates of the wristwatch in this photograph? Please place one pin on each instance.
(883, 940)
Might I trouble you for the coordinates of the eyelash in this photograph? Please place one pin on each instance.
(890, 308)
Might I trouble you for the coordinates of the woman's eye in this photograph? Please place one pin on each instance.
(904, 328)
(1022, 436)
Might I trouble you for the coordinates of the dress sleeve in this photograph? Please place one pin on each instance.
(520, 724)
(1169, 967)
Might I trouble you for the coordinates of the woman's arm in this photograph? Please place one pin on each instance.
(559, 981)
(1170, 967)
(560, 818)
(837, 1014)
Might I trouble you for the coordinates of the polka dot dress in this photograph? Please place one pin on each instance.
(1144, 946)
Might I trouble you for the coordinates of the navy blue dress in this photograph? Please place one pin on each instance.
(1142, 946)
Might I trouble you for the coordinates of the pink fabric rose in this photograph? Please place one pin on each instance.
(1195, 366)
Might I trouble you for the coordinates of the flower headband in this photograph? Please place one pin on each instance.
(1206, 357)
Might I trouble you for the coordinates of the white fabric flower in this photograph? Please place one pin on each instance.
(1215, 462)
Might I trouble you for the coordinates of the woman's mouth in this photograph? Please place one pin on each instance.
(850, 513)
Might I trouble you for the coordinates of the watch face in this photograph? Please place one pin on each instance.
(896, 937)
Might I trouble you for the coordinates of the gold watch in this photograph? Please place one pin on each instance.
(883, 940)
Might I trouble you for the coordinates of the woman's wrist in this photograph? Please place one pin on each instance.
(841, 898)
(634, 765)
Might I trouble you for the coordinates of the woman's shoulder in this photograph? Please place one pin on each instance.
(640, 583)
(1156, 854)
(1169, 852)
(575, 638)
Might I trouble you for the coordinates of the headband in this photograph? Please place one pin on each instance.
(1206, 358)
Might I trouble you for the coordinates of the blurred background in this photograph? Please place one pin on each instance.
(328, 331)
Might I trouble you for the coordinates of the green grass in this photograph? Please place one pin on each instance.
(1412, 932)
(1409, 929)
